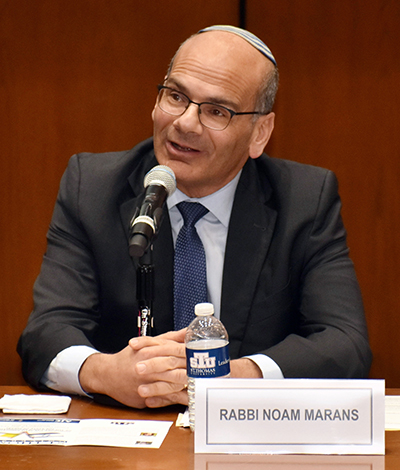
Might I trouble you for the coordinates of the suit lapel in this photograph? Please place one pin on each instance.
(250, 232)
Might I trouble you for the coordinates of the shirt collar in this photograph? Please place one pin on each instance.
(218, 203)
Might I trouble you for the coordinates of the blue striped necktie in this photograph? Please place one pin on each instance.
(190, 274)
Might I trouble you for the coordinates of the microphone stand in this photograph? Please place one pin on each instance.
(145, 292)
(159, 183)
(144, 295)
(140, 243)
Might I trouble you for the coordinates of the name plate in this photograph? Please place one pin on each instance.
(290, 416)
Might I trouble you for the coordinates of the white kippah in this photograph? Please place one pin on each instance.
(249, 37)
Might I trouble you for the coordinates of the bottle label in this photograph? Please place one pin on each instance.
(208, 362)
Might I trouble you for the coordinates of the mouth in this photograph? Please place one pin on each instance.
(182, 148)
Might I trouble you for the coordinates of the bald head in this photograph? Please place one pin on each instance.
(230, 57)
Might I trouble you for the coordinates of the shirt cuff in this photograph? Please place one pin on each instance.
(63, 372)
(269, 368)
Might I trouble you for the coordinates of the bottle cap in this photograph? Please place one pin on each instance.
(204, 309)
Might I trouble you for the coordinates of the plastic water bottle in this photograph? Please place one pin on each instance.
(207, 351)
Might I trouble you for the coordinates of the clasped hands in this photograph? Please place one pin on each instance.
(150, 371)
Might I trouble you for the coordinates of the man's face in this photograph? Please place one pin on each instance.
(221, 68)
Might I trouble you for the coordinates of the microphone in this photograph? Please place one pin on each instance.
(159, 183)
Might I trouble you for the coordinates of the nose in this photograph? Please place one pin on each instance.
(189, 121)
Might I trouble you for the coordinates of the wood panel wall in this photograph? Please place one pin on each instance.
(75, 75)
(339, 107)
(80, 75)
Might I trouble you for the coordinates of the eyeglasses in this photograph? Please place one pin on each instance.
(211, 115)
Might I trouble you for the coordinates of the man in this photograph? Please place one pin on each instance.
(278, 270)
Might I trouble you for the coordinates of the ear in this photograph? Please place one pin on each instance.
(154, 111)
(261, 134)
(155, 105)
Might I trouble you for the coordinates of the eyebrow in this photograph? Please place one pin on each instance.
(214, 100)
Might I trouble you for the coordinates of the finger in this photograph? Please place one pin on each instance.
(158, 389)
(178, 336)
(147, 341)
(155, 369)
(171, 399)
(158, 365)
(167, 349)
(164, 384)
(143, 342)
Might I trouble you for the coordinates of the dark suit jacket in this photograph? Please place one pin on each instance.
(289, 288)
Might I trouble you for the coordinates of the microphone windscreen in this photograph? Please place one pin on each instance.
(161, 175)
